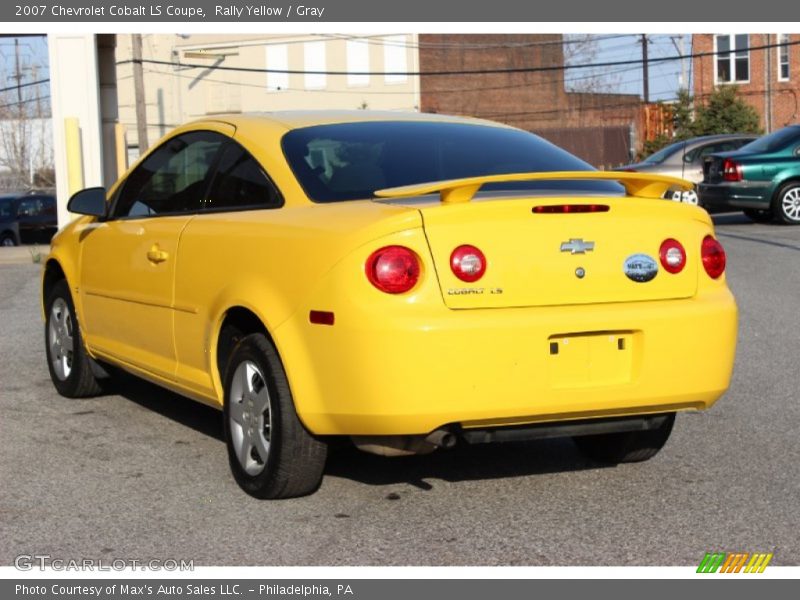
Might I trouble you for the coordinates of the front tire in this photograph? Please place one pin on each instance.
(786, 206)
(69, 364)
(8, 240)
(271, 454)
(627, 446)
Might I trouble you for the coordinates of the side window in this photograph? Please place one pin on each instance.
(240, 182)
(30, 207)
(173, 179)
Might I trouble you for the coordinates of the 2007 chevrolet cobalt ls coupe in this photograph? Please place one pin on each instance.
(411, 281)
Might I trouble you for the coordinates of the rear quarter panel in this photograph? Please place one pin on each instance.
(267, 261)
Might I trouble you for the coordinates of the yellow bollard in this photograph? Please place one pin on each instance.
(72, 141)
(120, 137)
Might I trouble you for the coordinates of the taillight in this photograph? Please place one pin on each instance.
(393, 269)
(468, 263)
(673, 256)
(713, 255)
(731, 170)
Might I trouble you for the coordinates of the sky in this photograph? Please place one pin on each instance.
(33, 61)
(629, 79)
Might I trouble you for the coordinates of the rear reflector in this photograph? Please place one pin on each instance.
(320, 317)
(569, 208)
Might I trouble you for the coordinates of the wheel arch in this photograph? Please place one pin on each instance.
(235, 322)
(780, 183)
(52, 273)
(10, 232)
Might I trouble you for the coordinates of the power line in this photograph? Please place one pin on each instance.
(362, 92)
(24, 101)
(374, 40)
(512, 70)
(22, 85)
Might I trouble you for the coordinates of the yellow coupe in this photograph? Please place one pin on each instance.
(411, 281)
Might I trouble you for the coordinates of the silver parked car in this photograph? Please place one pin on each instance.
(684, 159)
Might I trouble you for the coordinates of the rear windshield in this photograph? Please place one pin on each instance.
(774, 141)
(350, 161)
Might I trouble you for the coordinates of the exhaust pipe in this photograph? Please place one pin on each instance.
(405, 445)
(442, 438)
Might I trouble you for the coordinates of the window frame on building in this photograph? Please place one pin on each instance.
(277, 58)
(315, 58)
(783, 57)
(395, 59)
(357, 69)
(732, 58)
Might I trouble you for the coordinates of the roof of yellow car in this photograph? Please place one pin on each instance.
(307, 118)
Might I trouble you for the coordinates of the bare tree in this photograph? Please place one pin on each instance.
(581, 49)
(26, 149)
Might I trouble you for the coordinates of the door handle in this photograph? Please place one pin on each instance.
(156, 255)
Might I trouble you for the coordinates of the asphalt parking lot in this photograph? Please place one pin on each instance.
(143, 474)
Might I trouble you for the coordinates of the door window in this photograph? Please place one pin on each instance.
(241, 183)
(173, 179)
(30, 207)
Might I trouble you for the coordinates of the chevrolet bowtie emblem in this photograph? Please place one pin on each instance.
(577, 246)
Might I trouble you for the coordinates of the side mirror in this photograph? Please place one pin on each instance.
(91, 201)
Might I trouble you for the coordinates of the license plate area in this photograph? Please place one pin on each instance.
(591, 359)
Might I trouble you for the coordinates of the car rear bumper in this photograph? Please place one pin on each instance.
(735, 195)
(379, 374)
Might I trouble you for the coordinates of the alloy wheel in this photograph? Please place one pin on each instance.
(250, 417)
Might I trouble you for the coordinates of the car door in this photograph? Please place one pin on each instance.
(128, 260)
(30, 211)
(211, 260)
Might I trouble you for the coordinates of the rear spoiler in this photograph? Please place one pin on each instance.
(455, 191)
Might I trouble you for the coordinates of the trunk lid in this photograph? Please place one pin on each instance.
(535, 259)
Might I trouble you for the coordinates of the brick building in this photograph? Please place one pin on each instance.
(536, 101)
(768, 79)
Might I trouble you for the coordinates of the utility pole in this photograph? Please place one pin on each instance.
(768, 86)
(18, 73)
(138, 93)
(645, 75)
(682, 82)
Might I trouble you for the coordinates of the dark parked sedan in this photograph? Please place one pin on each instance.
(27, 219)
(762, 178)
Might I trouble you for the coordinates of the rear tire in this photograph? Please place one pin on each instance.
(8, 240)
(758, 215)
(786, 205)
(628, 446)
(271, 454)
(69, 364)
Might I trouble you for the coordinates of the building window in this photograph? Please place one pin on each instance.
(357, 63)
(395, 59)
(277, 60)
(783, 57)
(314, 60)
(733, 58)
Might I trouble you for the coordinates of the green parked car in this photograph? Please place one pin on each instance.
(762, 178)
